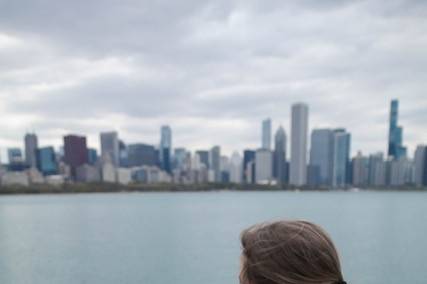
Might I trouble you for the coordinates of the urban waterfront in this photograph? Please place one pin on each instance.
(194, 237)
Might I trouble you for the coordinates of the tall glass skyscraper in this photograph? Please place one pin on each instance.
(46, 161)
(321, 154)
(395, 147)
(266, 134)
(279, 156)
(165, 147)
(299, 129)
(341, 160)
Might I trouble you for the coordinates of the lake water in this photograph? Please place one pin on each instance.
(193, 238)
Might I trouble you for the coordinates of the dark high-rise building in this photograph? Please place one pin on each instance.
(75, 152)
(248, 158)
(141, 154)
(46, 161)
(395, 147)
(341, 171)
(92, 156)
(16, 161)
(279, 156)
(165, 149)
(31, 145)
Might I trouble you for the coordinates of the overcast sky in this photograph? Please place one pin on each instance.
(210, 69)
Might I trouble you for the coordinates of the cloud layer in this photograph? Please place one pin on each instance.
(210, 69)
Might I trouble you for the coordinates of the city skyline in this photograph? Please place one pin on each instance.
(95, 142)
(212, 71)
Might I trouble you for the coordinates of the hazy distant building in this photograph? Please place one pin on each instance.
(179, 158)
(16, 161)
(75, 152)
(266, 134)
(395, 147)
(235, 168)
(108, 172)
(88, 173)
(263, 166)
(203, 157)
(400, 172)
(299, 128)
(165, 148)
(214, 162)
(46, 161)
(360, 170)
(249, 166)
(341, 158)
(31, 145)
(92, 156)
(15, 178)
(110, 147)
(321, 154)
(14, 155)
(420, 165)
(280, 171)
(141, 155)
(377, 169)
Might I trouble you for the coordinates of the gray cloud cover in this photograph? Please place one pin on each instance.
(211, 69)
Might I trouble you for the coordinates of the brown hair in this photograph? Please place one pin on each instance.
(289, 252)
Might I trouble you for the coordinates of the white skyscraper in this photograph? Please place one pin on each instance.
(266, 134)
(299, 129)
(110, 147)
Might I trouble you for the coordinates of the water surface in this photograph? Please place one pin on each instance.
(193, 238)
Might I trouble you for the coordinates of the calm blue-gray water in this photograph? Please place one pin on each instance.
(193, 238)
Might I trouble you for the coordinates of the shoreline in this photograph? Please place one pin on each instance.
(74, 188)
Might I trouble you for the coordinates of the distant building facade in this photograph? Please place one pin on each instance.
(46, 161)
(75, 152)
(396, 149)
(266, 134)
(31, 145)
(299, 129)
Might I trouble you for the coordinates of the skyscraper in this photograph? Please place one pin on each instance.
(141, 154)
(165, 148)
(110, 147)
(31, 145)
(395, 147)
(420, 164)
(279, 159)
(321, 154)
(266, 134)
(46, 161)
(360, 170)
(75, 152)
(214, 162)
(203, 157)
(263, 166)
(299, 128)
(341, 160)
(248, 161)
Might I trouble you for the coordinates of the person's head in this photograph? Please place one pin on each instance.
(288, 252)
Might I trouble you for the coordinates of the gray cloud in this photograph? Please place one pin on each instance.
(210, 69)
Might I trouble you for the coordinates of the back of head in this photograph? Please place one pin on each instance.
(289, 252)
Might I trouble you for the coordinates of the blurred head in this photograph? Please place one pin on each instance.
(288, 252)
